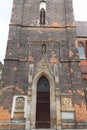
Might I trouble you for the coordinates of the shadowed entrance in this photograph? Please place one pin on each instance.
(43, 103)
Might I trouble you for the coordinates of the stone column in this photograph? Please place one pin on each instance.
(28, 119)
(27, 127)
(58, 109)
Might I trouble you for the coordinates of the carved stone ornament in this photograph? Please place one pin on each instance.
(67, 104)
(20, 103)
(43, 66)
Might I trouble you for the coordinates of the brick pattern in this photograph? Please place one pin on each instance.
(83, 66)
(10, 126)
(81, 112)
(17, 12)
(25, 39)
(4, 114)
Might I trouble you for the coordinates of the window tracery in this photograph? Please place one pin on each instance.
(81, 51)
(42, 12)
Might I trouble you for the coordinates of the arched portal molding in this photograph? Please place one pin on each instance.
(43, 69)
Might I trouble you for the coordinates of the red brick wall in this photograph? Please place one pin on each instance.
(4, 114)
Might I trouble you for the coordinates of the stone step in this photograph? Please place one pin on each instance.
(43, 129)
(55, 129)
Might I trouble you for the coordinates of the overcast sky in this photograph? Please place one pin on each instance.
(80, 14)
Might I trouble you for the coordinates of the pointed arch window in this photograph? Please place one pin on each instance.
(42, 16)
(43, 13)
(81, 51)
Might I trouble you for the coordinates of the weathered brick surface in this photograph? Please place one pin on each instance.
(25, 41)
(17, 12)
(13, 43)
(4, 114)
(27, 13)
(22, 77)
(81, 113)
(65, 78)
(71, 37)
(69, 13)
(9, 73)
(10, 126)
(6, 97)
(31, 13)
(68, 126)
(83, 66)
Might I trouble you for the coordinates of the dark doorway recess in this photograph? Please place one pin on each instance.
(43, 103)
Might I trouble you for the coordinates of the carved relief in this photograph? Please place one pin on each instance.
(43, 65)
(20, 103)
(19, 107)
(67, 104)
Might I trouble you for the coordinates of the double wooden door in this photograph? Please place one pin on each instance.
(43, 103)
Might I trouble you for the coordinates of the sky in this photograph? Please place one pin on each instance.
(80, 14)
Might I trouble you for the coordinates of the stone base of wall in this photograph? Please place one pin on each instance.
(12, 125)
(74, 126)
(21, 125)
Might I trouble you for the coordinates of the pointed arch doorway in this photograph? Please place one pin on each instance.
(43, 103)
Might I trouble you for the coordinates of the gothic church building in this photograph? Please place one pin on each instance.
(44, 80)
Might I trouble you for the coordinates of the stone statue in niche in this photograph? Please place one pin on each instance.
(43, 49)
(20, 103)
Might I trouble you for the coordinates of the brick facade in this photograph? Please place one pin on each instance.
(25, 63)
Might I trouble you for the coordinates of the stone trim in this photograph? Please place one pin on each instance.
(14, 105)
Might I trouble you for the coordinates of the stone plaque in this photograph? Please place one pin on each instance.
(67, 104)
(19, 103)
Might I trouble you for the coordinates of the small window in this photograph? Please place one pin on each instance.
(81, 51)
(42, 16)
(42, 12)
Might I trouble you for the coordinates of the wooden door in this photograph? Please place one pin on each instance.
(43, 103)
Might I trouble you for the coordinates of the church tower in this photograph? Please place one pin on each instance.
(41, 85)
